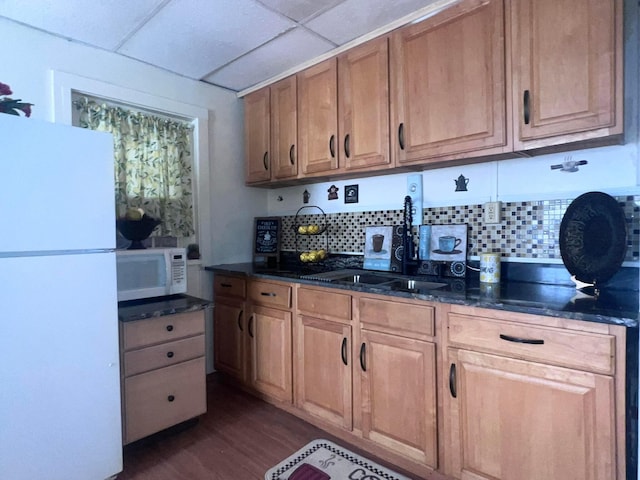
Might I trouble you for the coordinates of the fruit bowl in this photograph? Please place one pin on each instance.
(137, 230)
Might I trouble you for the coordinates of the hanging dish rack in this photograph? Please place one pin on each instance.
(312, 239)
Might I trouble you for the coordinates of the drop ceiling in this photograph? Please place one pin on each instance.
(235, 44)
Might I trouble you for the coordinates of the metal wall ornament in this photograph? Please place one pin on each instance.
(461, 183)
(333, 192)
(306, 196)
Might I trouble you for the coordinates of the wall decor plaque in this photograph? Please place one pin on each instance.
(267, 238)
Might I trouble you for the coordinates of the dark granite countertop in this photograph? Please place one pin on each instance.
(619, 307)
(159, 306)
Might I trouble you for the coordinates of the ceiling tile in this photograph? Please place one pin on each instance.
(277, 56)
(300, 9)
(103, 23)
(194, 37)
(354, 18)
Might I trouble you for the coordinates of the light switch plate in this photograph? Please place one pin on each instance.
(491, 213)
(414, 190)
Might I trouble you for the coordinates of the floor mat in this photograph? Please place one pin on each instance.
(331, 461)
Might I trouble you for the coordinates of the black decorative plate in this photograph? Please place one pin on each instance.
(593, 237)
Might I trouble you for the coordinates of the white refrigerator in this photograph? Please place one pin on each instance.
(60, 412)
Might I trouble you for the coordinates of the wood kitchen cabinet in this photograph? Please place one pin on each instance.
(284, 129)
(230, 326)
(566, 70)
(270, 339)
(318, 118)
(397, 370)
(448, 89)
(323, 380)
(363, 106)
(257, 132)
(271, 132)
(532, 401)
(163, 368)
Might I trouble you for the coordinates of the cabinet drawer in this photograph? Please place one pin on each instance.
(269, 294)
(324, 303)
(162, 329)
(401, 317)
(159, 399)
(162, 355)
(585, 351)
(229, 286)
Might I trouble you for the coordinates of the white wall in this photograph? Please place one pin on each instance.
(30, 56)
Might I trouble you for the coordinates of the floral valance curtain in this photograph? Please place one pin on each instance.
(152, 163)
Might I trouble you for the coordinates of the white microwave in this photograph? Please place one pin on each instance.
(152, 272)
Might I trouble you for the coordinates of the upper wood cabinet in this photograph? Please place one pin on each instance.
(257, 113)
(284, 129)
(271, 132)
(318, 118)
(363, 106)
(448, 93)
(567, 70)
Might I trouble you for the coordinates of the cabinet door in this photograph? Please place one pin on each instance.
(399, 395)
(566, 66)
(256, 134)
(269, 332)
(228, 337)
(363, 117)
(518, 419)
(318, 118)
(284, 128)
(448, 84)
(323, 373)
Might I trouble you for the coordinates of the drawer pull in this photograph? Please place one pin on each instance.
(226, 285)
(343, 351)
(250, 326)
(171, 398)
(169, 354)
(401, 136)
(239, 320)
(526, 106)
(332, 146)
(363, 352)
(268, 294)
(528, 341)
(452, 380)
(292, 159)
(169, 328)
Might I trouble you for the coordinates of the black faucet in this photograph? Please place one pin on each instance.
(408, 247)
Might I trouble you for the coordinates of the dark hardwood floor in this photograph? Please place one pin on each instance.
(239, 438)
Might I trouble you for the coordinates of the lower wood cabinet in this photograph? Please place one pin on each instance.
(474, 393)
(164, 379)
(324, 372)
(528, 400)
(397, 370)
(520, 419)
(229, 337)
(399, 395)
(269, 331)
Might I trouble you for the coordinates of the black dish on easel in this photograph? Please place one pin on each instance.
(137, 230)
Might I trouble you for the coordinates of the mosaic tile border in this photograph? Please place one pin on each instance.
(528, 229)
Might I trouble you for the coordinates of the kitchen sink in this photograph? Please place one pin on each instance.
(365, 278)
(408, 285)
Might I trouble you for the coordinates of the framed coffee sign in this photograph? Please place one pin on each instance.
(267, 238)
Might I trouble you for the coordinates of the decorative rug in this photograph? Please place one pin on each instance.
(324, 460)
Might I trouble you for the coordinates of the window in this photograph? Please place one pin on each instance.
(153, 161)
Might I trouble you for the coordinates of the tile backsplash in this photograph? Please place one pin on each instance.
(527, 230)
